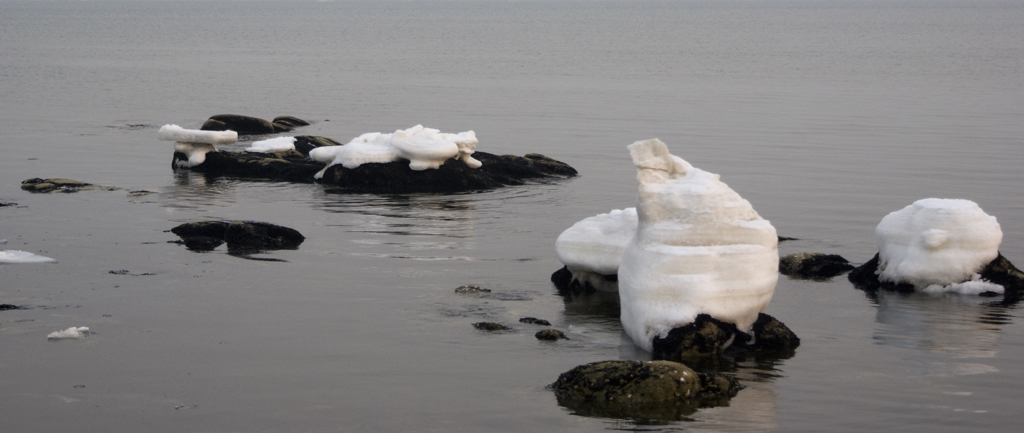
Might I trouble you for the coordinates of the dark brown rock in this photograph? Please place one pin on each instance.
(708, 337)
(534, 321)
(550, 335)
(246, 125)
(287, 123)
(241, 236)
(813, 266)
(491, 326)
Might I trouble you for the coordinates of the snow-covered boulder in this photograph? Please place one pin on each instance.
(272, 145)
(592, 248)
(699, 248)
(424, 148)
(177, 133)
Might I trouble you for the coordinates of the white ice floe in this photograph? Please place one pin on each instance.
(15, 256)
(593, 246)
(71, 332)
(938, 245)
(699, 248)
(279, 144)
(423, 147)
(177, 133)
(196, 153)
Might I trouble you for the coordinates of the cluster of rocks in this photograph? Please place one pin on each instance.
(240, 236)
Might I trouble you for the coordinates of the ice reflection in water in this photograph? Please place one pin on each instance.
(193, 191)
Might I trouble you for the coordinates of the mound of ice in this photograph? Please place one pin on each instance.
(279, 144)
(423, 147)
(196, 152)
(71, 332)
(15, 256)
(595, 245)
(699, 248)
(177, 133)
(938, 245)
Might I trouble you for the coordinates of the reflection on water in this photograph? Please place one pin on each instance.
(193, 191)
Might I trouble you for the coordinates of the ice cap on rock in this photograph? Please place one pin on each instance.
(936, 243)
(177, 133)
(699, 248)
(424, 148)
(596, 244)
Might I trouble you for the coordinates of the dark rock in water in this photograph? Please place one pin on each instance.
(246, 125)
(305, 143)
(287, 123)
(708, 336)
(241, 236)
(491, 326)
(568, 285)
(393, 177)
(10, 307)
(5, 204)
(653, 390)
(534, 321)
(786, 238)
(813, 266)
(999, 271)
(471, 289)
(550, 335)
(37, 185)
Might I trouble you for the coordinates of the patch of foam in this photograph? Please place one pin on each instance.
(424, 148)
(937, 242)
(595, 245)
(71, 332)
(177, 133)
(699, 248)
(279, 144)
(16, 256)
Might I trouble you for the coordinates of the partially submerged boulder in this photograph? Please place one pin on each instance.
(287, 123)
(247, 125)
(241, 236)
(657, 390)
(550, 335)
(38, 185)
(707, 337)
(999, 271)
(813, 266)
(393, 177)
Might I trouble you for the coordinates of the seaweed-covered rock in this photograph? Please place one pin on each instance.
(241, 236)
(659, 390)
(813, 266)
(708, 336)
(471, 289)
(550, 335)
(393, 177)
(241, 124)
(37, 185)
(534, 321)
(999, 271)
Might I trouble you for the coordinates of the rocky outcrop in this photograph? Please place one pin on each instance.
(707, 337)
(813, 266)
(241, 236)
(393, 177)
(37, 185)
(656, 390)
(999, 271)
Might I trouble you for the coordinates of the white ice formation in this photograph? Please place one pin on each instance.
(196, 152)
(177, 133)
(593, 247)
(423, 147)
(279, 144)
(699, 248)
(71, 332)
(938, 245)
(15, 256)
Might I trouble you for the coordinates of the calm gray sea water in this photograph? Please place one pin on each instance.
(826, 115)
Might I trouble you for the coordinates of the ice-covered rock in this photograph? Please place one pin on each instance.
(938, 244)
(16, 256)
(424, 148)
(699, 248)
(71, 332)
(595, 245)
(194, 152)
(177, 133)
(279, 144)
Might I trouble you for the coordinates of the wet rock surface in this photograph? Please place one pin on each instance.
(813, 266)
(655, 390)
(708, 337)
(550, 335)
(247, 125)
(999, 271)
(39, 185)
(393, 177)
(491, 326)
(471, 289)
(569, 286)
(534, 321)
(241, 236)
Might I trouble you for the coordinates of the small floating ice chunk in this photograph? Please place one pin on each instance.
(595, 244)
(196, 153)
(699, 248)
(177, 133)
(423, 147)
(938, 242)
(279, 144)
(16, 256)
(71, 332)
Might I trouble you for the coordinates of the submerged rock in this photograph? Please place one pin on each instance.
(38, 185)
(393, 177)
(491, 326)
(241, 124)
(813, 266)
(241, 236)
(657, 390)
(534, 321)
(707, 337)
(550, 335)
